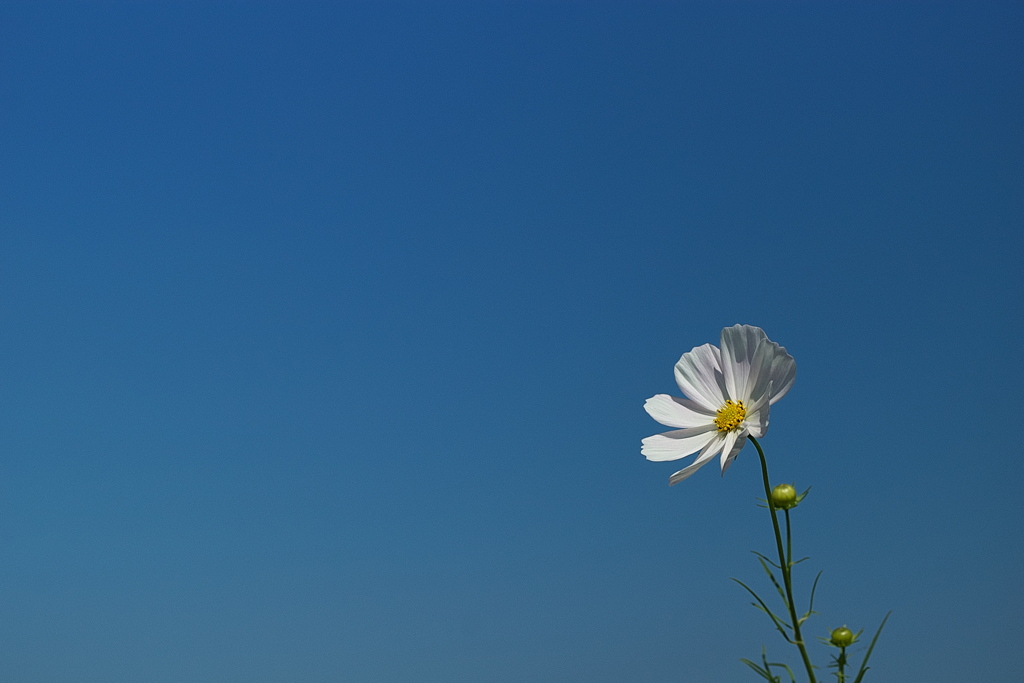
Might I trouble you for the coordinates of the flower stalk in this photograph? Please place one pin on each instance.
(785, 565)
(842, 638)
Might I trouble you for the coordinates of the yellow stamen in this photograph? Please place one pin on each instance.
(730, 416)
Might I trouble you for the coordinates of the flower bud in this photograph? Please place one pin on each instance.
(842, 637)
(784, 497)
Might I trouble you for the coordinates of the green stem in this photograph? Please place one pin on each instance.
(784, 563)
(789, 540)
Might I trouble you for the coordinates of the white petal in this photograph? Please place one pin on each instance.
(730, 441)
(699, 376)
(778, 368)
(783, 372)
(677, 444)
(739, 349)
(757, 424)
(729, 454)
(757, 415)
(760, 367)
(706, 455)
(678, 412)
(768, 362)
(763, 399)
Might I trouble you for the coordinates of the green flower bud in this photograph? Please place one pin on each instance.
(842, 637)
(784, 497)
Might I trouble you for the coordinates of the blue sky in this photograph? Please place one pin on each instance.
(327, 329)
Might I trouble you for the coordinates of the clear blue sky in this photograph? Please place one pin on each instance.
(327, 327)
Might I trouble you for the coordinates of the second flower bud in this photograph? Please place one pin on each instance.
(784, 497)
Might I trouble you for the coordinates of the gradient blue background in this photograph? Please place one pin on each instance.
(326, 330)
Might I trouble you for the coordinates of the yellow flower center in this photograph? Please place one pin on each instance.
(730, 416)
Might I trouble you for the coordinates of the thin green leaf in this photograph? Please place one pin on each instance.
(764, 674)
(814, 587)
(768, 665)
(779, 622)
(778, 586)
(805, 617)
(776, 620)
(867, 655)
(766, 560)
(788, 670)
(765, 670)
(810, 606)
(801, 496)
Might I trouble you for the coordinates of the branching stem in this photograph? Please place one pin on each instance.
(785, 565)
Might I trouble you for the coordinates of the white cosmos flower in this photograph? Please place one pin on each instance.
(728, 393)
